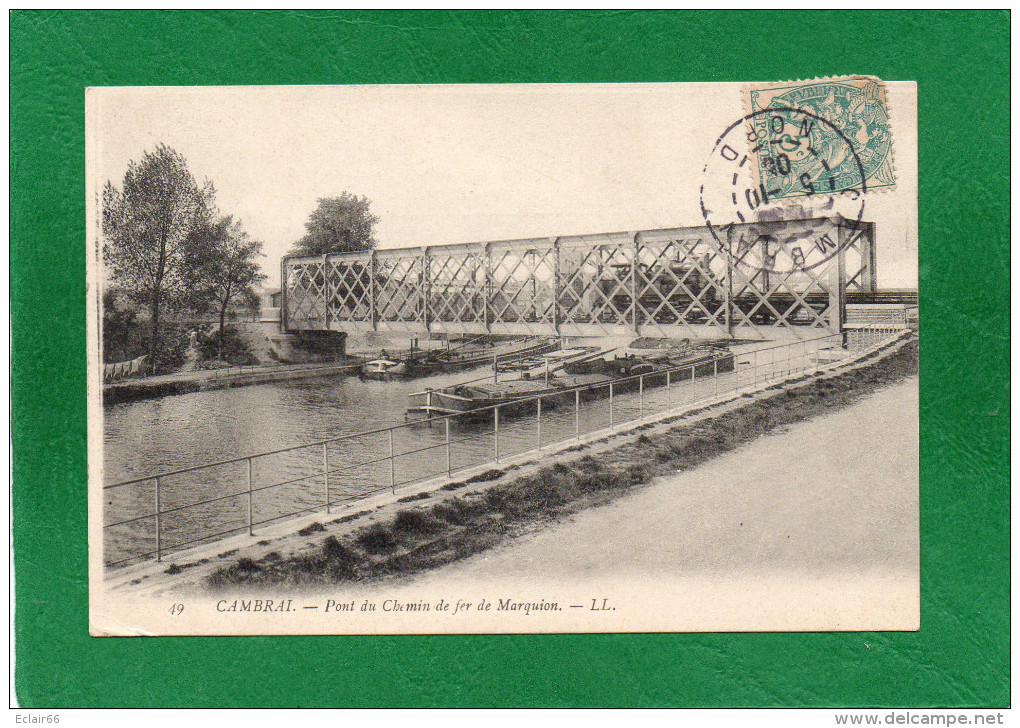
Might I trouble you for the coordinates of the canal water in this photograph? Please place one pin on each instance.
(148, 437)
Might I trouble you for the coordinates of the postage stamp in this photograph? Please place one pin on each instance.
(801, 149)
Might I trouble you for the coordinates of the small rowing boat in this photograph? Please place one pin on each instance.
(383, 369)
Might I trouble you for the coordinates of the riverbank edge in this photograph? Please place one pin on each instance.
(136, 391)
(408, 538)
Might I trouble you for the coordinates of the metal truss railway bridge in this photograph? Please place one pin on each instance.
(677, 282)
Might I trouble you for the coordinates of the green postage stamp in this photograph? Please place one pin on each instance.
(822, 136)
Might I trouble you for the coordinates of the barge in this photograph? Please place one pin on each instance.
(424, 363)
(591, 378)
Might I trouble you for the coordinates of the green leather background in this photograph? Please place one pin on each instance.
(961, 63)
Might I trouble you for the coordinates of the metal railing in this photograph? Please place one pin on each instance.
(865, 335)
(326, 472)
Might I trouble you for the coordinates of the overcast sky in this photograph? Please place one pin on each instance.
(454, 164)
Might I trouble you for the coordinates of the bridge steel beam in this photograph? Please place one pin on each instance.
(668, 282)
(372, 293)
(557, 285)
(283, 293)
(634, 297)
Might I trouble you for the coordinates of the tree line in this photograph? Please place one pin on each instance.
(168, 248)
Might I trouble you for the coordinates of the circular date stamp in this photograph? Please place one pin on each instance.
(774, 181)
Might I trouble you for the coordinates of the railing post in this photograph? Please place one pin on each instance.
(641, 395)
(694, 387)
(577, 413)
(495, 433)
(159, 545)
(495, 368)
(393, 474)
(538, 423)
(325, 474)
(715, 377)
(251, 509)
(611, 404)
(449, 461)
(669, 393)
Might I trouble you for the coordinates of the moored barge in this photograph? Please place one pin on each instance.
(422, 363)
(590, 376)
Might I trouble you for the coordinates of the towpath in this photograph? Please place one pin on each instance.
(815, 527)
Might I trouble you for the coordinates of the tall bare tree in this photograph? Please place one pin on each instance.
(147, 226)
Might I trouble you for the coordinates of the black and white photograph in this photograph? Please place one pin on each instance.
(550, 358)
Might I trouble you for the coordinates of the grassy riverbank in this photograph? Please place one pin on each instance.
(416, 539)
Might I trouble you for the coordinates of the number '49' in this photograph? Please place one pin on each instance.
(176, 609)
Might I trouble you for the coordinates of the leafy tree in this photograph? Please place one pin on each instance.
(147, 227)
(223, 267)
(339, 225)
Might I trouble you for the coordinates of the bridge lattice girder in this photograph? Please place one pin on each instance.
(669, 282)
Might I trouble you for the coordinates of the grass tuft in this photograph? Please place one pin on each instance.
(486, 476)
(415, 497)
(377, 539)
(246, 564)
(311, 528)
(416, 523)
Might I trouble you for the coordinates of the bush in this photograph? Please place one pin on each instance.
(173, 347)
(377, 539)
(416, 523)
(590, 482)
(246, 565)
(341, 560)
(228, 346)
(456, 511)
(126, 336)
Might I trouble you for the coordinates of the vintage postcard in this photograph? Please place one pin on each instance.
(503, 358)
